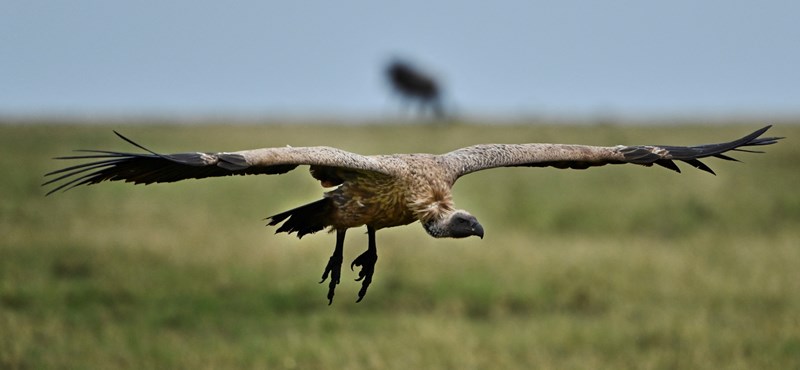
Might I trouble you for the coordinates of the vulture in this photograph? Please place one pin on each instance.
(377, 191)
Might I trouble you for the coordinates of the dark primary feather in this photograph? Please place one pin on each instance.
(153, 167)
(665, 155)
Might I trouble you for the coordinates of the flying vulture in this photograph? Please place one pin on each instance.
(378, 191)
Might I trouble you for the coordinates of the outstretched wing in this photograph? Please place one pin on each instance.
(152, 167)
(481, 157)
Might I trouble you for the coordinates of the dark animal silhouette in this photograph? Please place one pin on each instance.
(414, 86)
(378, 191)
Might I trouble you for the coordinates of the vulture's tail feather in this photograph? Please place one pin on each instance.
(306, 219)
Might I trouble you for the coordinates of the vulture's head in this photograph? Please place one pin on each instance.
(456, 224)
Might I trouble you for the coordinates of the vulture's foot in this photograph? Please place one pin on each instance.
(367, 262)
(334, 266)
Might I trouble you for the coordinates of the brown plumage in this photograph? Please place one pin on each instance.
(378, 191)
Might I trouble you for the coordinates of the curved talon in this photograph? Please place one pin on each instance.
(330, 295)
(334, 266)
(367, 262)
(362, 275)
(363, 291)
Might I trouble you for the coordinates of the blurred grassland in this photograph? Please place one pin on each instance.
(613, 267)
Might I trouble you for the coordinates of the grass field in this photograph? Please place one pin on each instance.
(614, 267)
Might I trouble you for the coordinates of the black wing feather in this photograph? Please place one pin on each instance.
(151, 167)
(666, 163)
(664, 155)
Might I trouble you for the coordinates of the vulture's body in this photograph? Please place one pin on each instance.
(379, 191)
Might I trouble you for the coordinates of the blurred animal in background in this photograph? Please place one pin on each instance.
(415, 87)
(380, 191)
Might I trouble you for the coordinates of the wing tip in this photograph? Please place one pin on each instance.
(646, 154)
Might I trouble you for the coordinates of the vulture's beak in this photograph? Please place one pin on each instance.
(477, 229)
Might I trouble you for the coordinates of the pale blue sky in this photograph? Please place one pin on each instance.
(327, 57)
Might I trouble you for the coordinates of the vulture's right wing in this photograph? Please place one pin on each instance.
(152, 167)
(485, 156)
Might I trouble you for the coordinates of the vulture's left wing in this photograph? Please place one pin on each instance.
(485, 156)
(152, 167)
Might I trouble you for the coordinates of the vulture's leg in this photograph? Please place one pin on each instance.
(367, 263)
(334, 267)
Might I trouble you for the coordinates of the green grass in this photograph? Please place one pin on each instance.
(613, 267)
